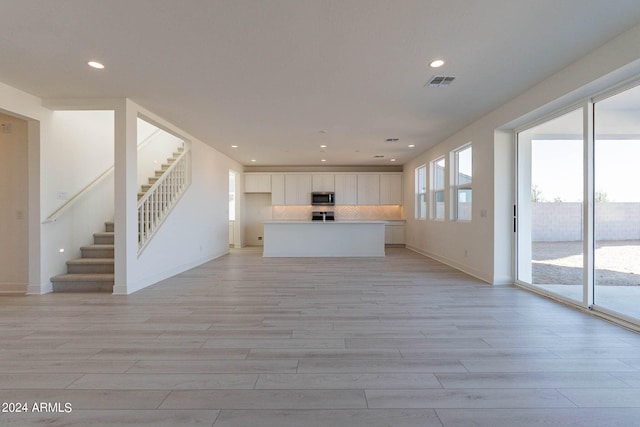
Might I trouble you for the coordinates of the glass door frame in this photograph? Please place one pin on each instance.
(587, 205)
(588, 240)
(629, 321)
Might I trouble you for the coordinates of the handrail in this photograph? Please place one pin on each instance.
(148, 139)
(54, 216)
(58, 212)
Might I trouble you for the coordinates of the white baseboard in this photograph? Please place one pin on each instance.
(40, 289)
(458, 266)
(130, 288)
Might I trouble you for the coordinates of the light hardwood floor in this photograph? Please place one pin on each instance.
(247, 341)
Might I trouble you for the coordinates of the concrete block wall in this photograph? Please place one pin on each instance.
(561, 222)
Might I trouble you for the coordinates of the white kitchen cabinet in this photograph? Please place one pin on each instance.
(369, 189)
(257, 183)
(394, 233)
(323, 182)
(277, 190)
(391, 189)
(346, 189)
(297, 189)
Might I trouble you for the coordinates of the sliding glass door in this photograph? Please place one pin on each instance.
(617, 203)
(578, 205)
(549, 217)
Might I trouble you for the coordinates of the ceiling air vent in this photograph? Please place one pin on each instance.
(378, 156)
(440, 81)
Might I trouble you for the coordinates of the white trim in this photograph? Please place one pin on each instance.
(130, 288)
(417, 193)
(40, 289)
(550, 116)
(588, 207)
(600, 312)
(458, 266)
(456, 186)
(615, 90)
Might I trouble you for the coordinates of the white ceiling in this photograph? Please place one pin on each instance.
(279, 78)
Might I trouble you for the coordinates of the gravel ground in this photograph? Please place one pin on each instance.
(617, 263)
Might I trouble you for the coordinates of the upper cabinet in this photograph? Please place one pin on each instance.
(391, 189)
(294, 188)
(369, 189)
(277, 189)
(346, 189)
(257, 183)
(323, 182)
(297, 189)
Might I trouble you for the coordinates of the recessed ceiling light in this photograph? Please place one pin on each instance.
(95, 64)
(323, 146)
(323, 160)
(392, 160)
(411, 145)
(436, 63)
(234, 146)
(253, 160)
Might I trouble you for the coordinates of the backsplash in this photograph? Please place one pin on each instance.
(344, 213)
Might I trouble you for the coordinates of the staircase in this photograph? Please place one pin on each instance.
(158, 174)
(94, 272)
(157, 198)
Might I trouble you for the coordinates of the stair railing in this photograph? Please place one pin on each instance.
(56, 214)
(156, 204)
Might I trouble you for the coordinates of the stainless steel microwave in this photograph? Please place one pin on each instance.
(323, 199)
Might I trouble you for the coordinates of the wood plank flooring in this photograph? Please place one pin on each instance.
(247, 341)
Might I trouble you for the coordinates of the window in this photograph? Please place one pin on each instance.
(462, 191)
(232, 196)
(421, 192)
(437, 188)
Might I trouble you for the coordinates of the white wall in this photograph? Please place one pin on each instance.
(14, 274)
(79, 149)
(485, 240)
(197, 230)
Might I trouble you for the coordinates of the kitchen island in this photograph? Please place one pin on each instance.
(324, 239)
